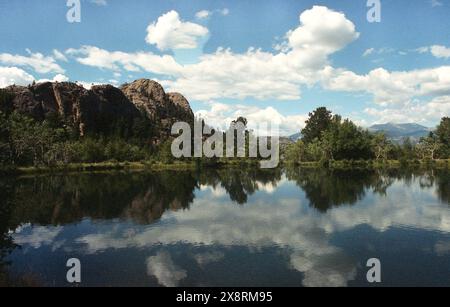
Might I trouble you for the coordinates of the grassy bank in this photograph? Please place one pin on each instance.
(124, 166)
(159, 166)
(345, 164)
(94, 167)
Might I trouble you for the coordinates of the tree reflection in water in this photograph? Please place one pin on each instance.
(143, 197)
(325, 188)
(240, 183)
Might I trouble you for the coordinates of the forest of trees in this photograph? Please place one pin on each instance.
(328, 137)
(26, 142)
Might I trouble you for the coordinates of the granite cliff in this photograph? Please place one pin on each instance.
(103, 108)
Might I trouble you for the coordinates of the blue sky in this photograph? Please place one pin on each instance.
(268, 60)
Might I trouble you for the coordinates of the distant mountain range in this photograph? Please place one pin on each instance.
(295, 137)
(397, 132)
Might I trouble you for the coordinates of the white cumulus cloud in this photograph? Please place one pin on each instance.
(134, 62)
(170, 32)
(58, 55)
(440, 51)
(14, 75)
(57, 78)
(300, 60)
(226, 74)
(203, 14)
(437, 51)
(368, 52)
(220, 115)
(36, 61)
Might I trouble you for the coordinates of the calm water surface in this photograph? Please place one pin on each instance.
(228, 228)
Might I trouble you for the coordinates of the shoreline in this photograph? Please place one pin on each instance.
(96, 167)
(181, 166)
(372, 164)
(118, 166)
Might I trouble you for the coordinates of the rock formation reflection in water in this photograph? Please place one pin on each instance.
(229, 227)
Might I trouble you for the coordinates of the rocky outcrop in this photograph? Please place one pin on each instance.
(182, 109)
(45, 99)
(165, 109)
(113, 106)
(102, 108)
(147, 95)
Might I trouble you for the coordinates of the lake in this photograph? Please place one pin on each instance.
(230, 227)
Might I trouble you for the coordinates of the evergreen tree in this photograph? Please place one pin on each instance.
(318, 122)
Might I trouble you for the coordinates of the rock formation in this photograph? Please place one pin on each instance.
(164, 109)
(102, 108)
